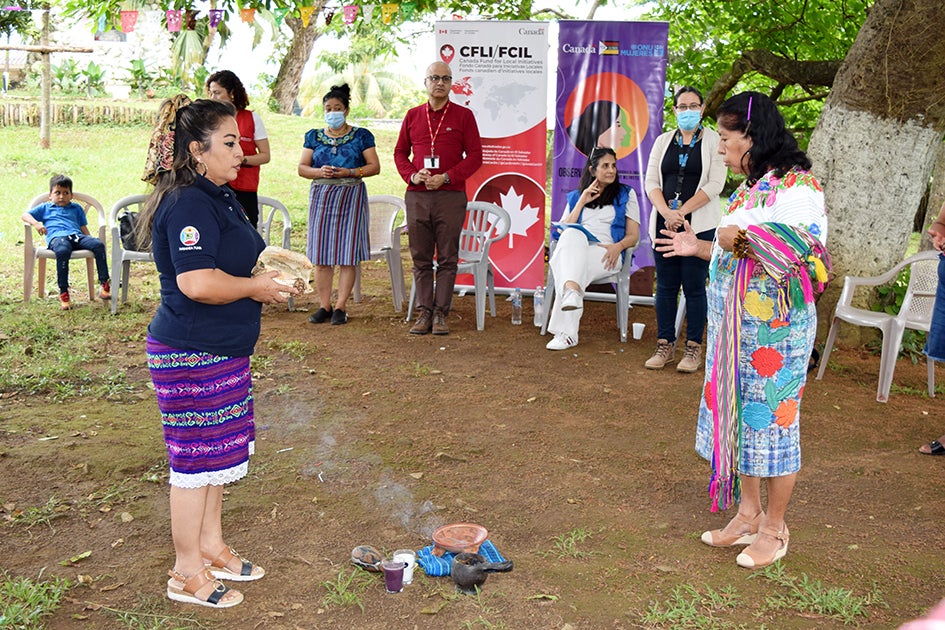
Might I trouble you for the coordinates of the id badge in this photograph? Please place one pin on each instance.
(431, 161)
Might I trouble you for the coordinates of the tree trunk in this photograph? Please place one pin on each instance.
(876, 140)
(286, 86)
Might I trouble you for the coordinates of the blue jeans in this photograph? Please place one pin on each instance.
(935, 341)
(63, 246)
(690, 273)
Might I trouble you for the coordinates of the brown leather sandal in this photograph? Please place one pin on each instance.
(220, 569)
(201, 589)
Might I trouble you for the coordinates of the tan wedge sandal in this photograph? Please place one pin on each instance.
(745, 532)
(750, 559)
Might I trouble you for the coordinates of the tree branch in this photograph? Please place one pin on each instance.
(783, 70)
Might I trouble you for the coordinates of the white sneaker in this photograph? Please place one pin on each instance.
(571, 300)
(562, 341)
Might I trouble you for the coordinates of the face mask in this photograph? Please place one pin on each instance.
(688, 120)
(335, 119)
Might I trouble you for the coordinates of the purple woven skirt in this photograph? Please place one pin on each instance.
(206, 404)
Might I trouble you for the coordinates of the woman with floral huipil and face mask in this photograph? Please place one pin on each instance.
(337, 158)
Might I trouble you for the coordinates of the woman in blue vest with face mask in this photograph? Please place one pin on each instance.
(683, 180)
(337, 158)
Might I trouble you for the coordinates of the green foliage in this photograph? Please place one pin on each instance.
(810, 596)
(94, 76)
(687, 607)
(142, 79)
(707, 36)
(25, 602)
(17, 22)
(65, 77)
(888, 299)
(346, 589)
(42, 515)
(566, 545)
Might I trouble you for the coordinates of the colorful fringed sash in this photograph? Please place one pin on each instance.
(799, 263)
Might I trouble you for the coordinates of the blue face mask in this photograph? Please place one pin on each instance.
(335, 119)
(688, 120)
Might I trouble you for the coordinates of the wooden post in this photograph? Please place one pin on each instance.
(45, 109)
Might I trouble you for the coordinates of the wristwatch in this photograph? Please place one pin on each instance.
(446, 179)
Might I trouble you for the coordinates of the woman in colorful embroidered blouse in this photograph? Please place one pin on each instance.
(337, 159)
(766, 263)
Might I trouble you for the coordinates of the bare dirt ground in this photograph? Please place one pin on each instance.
(369, 435)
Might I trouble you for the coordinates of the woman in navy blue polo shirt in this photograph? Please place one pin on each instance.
(201, 338)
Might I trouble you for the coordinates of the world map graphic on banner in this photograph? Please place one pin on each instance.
(493, 102)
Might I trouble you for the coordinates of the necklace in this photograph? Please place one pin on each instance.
(333, 140)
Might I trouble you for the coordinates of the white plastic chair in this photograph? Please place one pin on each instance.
(915, 313)
(385, 231)
(270, 210)
(621, 278)
(33, 253)
(121, 257)
(486, 223)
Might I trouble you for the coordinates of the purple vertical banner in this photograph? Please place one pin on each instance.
(610, 91)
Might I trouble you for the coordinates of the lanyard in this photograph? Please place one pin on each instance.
(683, 160)
(438, 125)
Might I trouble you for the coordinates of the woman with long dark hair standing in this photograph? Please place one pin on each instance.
(766, 265)
(203, 333)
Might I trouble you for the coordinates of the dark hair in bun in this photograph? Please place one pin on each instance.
(341, 92)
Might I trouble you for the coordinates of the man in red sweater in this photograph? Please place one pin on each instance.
(438, 149)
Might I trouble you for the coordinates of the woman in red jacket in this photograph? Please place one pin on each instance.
(226, 86)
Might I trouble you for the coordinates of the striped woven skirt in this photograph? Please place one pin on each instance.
(338, 223)
(206, 404)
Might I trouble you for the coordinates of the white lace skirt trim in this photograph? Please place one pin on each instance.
(211, 478)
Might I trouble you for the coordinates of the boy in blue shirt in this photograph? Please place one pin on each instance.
(66, 228)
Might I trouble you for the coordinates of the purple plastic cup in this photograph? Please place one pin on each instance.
(393, 575)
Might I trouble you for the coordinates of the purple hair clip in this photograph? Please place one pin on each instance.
(748, 115)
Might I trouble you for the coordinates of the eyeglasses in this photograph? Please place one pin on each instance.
(692, 107)
(435, 78)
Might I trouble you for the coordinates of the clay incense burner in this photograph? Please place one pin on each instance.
(469, 571)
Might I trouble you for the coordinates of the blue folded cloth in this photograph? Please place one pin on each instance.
(437, 566)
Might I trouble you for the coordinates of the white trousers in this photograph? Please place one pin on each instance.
(576, 260)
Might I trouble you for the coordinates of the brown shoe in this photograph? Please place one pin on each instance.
(439, 323)
(692, 359)
(424, 323)
(665, 353)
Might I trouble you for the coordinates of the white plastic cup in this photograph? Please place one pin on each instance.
(409, 558)
(638, 330)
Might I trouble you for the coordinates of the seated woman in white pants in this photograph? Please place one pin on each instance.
(607, 211)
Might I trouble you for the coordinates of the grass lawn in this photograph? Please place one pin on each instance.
(107, 162)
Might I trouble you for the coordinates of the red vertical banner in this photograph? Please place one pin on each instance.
(500, 72)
